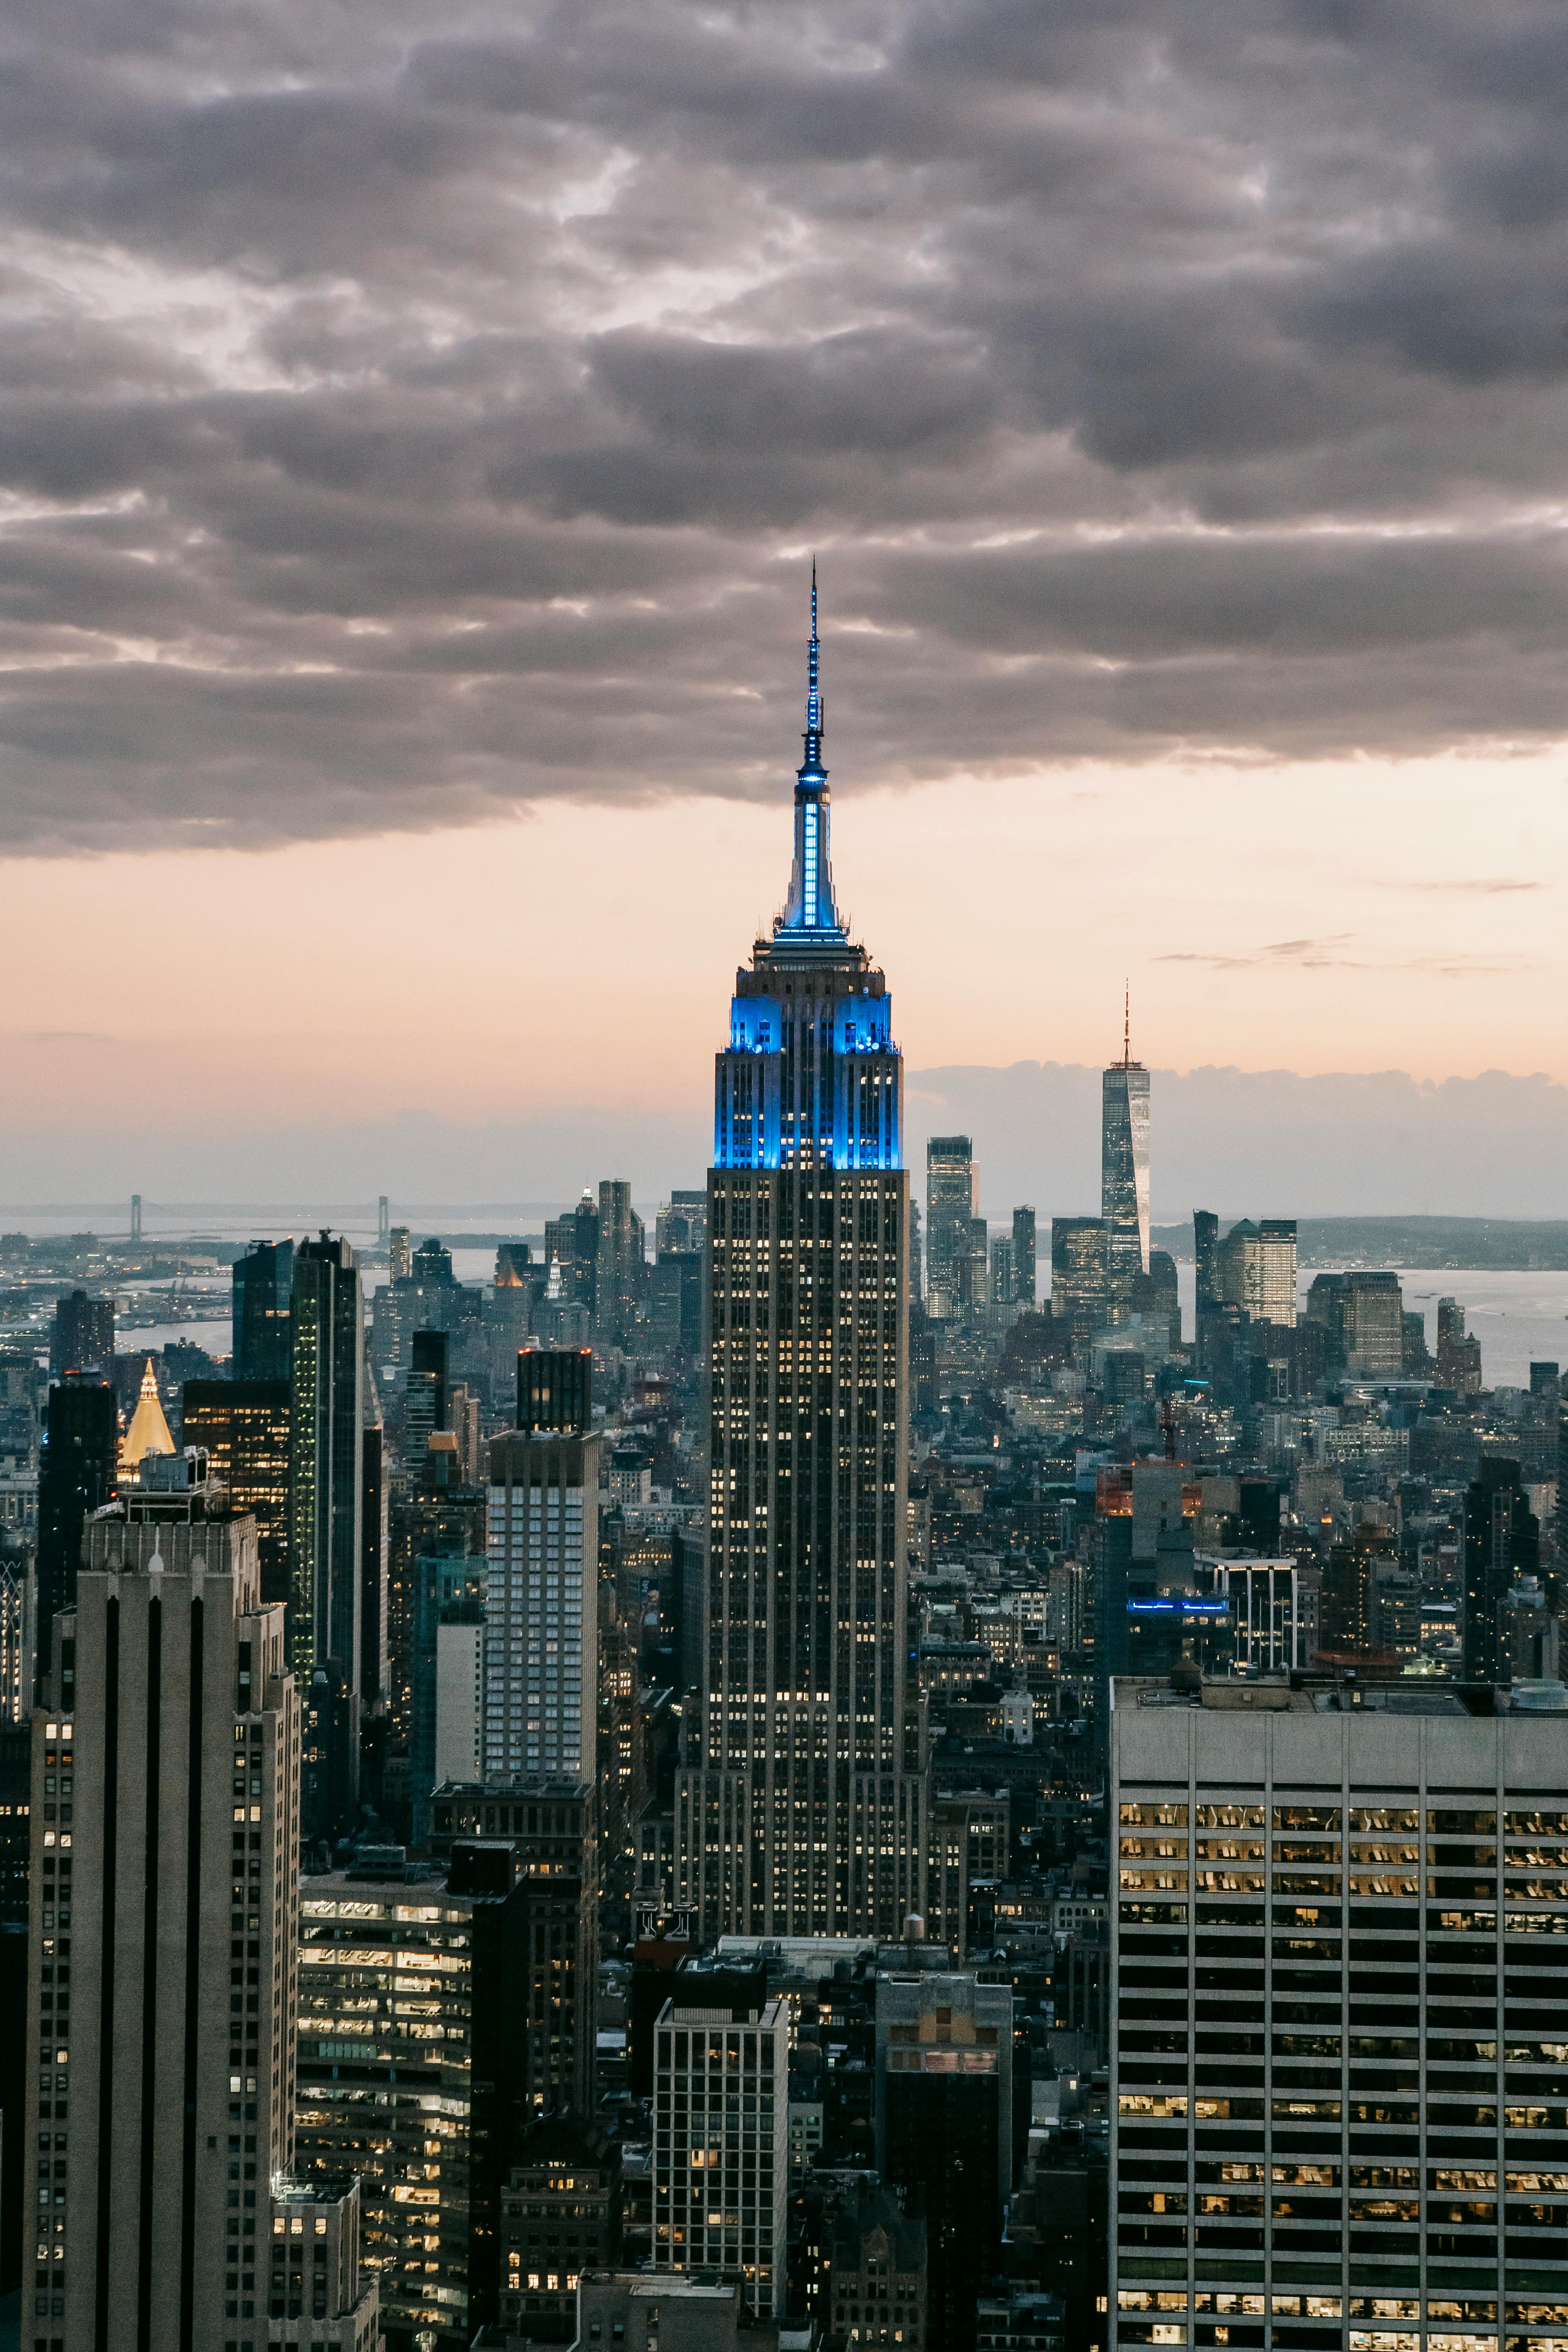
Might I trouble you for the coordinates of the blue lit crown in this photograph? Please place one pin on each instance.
(811, 1076)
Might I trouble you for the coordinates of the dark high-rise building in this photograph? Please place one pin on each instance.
(950, 1211)
(76, 1476)
(83, 1338)
(326, 1455)
(1124, 1172)
(555, 1390)
(1459, 1351)
(1206, 1249)
(263, 1286)
(424, 1397)
(431, 1522)
(621, 1266)
(944, 2131)
(243, 1425)
(1078, 1294)
(432, 1264)
(1026, 1276)
(1502, 1543)
(1349, 1592)
(800, 1809)
(560, 2215)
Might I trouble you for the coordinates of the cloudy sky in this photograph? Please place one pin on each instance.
(415, 427)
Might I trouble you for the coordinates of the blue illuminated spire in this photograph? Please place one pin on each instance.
(810, 906)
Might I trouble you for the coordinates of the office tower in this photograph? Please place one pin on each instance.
(18, 1590)
(1362, 1320)
(720, 2165)
(1078, 1276)
(975, 1267)
(375, 1598)
(424, 1397)
(76, 1477)
(1459, 1352)
(917, 1256)
(944, 2125)
(83, 1336)
(1026, 1274)
(1001, 1281)
(1502, 1544)
(1321, 2116)
(556, 1388)
(950, 1207)
(541, 1582)
(1256, 1269)
(135, 1220)
(242, 1425)
(1124, 1171)
(621, 1270)
(432, 1264)
(399, 1254)
(1206, 1249)
(561, 2216)
(19, 1419)
(549, 1824)
(1543, 1381)
(416, 2097)
(465, 1411)
(800, 1811)
(682, 1222)
(585, 1253)
(326, 1530)
(263, 1288)
(429, 1522)
(449, 1591)
(1350, 1593)
(170, 1730)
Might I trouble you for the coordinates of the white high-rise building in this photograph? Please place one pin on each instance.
(541, 1631)
(1340, 1924)
(721, 2164)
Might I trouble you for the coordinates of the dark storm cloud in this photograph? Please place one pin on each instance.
(403, 417)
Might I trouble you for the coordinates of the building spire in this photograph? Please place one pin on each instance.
(810, 766)
(810, 906)
(1127, 1024)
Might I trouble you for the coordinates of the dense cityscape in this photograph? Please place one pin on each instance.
(781, 1780)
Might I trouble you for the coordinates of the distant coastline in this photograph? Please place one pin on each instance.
(1482, 1244)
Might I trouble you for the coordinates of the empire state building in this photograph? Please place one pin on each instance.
(801, 1807)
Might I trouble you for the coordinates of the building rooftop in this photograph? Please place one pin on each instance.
(1304, 1695)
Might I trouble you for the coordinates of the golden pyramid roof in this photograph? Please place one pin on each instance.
(149, 1432)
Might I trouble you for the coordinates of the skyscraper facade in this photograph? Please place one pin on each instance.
(263, 1286)
(542, 1551)
(800, 1805)
(1255, 1266)
(326, 1481)
(83, 1336)
(722, 2143)
(243, 1425)
(169, 1908)
(76, 1476)
(1124, 1172)
(1334, 1984)
(950, 1211)
(1025, 1275)
(1502, 1543)
(621, 1270)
